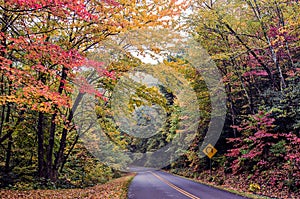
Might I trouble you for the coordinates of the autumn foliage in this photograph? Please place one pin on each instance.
(43, 46)
(113, 189)
(255, 45)
(49, 49)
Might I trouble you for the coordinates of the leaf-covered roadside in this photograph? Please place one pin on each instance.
(116, 188)
(240, 184)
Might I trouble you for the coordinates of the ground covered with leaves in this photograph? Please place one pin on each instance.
(242, 184)
(116, 188)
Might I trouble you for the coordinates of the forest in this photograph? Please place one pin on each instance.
(89, 88)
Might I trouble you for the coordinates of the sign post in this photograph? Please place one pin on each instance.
(210, 151)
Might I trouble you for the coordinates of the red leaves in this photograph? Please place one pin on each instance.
(40, 63)
(86, 87)
(259, 149)
(262, 134)
(279, 35)
(262, 163)
(256, 73)
(38, 50)
(57, 7)
(294, 149)
(39, 57)
(259, 127)
(111, 2)
(233, 152)
(85, 82)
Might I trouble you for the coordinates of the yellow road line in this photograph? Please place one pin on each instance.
(175, 187)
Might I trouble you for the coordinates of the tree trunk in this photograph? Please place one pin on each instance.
(257, 12)
(2, 119)
(40, 137)
(49, 165)
(8, 154)
(60, 157)
(9, 145)
(51, 169)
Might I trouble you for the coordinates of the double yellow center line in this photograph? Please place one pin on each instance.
(175, 187)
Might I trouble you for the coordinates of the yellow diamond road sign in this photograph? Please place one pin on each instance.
(210, 150)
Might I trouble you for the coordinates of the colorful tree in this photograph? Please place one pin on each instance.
(43, 44)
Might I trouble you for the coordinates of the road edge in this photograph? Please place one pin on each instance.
(131, 176)
(249, 195)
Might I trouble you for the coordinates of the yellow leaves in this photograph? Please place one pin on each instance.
(9, 98)
(116, 188)
(36, 98)
(146, 96)
(45, 107)
(222, 56)
(147, 13)
(254, 187)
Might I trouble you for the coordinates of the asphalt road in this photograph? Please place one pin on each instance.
(153, 184)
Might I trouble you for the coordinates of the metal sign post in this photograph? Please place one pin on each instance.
(210, 170)
(210, 151)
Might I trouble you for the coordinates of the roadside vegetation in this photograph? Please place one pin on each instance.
(53, 53)
(113, 189)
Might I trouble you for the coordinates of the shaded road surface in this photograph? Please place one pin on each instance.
(160, 185)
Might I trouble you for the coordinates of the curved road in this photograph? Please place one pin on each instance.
(154, 184)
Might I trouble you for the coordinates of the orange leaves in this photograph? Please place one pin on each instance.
(114, 189)
(8, 98)
(132, 15)
(41, 96)
(25, 76)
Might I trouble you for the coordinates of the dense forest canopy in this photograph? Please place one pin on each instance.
(57, 55)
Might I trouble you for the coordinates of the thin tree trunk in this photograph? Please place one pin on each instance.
(2, 119)
(3, 107)
(40, 137)
(270, 75)
(281, 20)
(9, 145)
(8, 154)
(51, 169)
(257, 12)
(60, 157)
(10, 131)
(69, 152)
